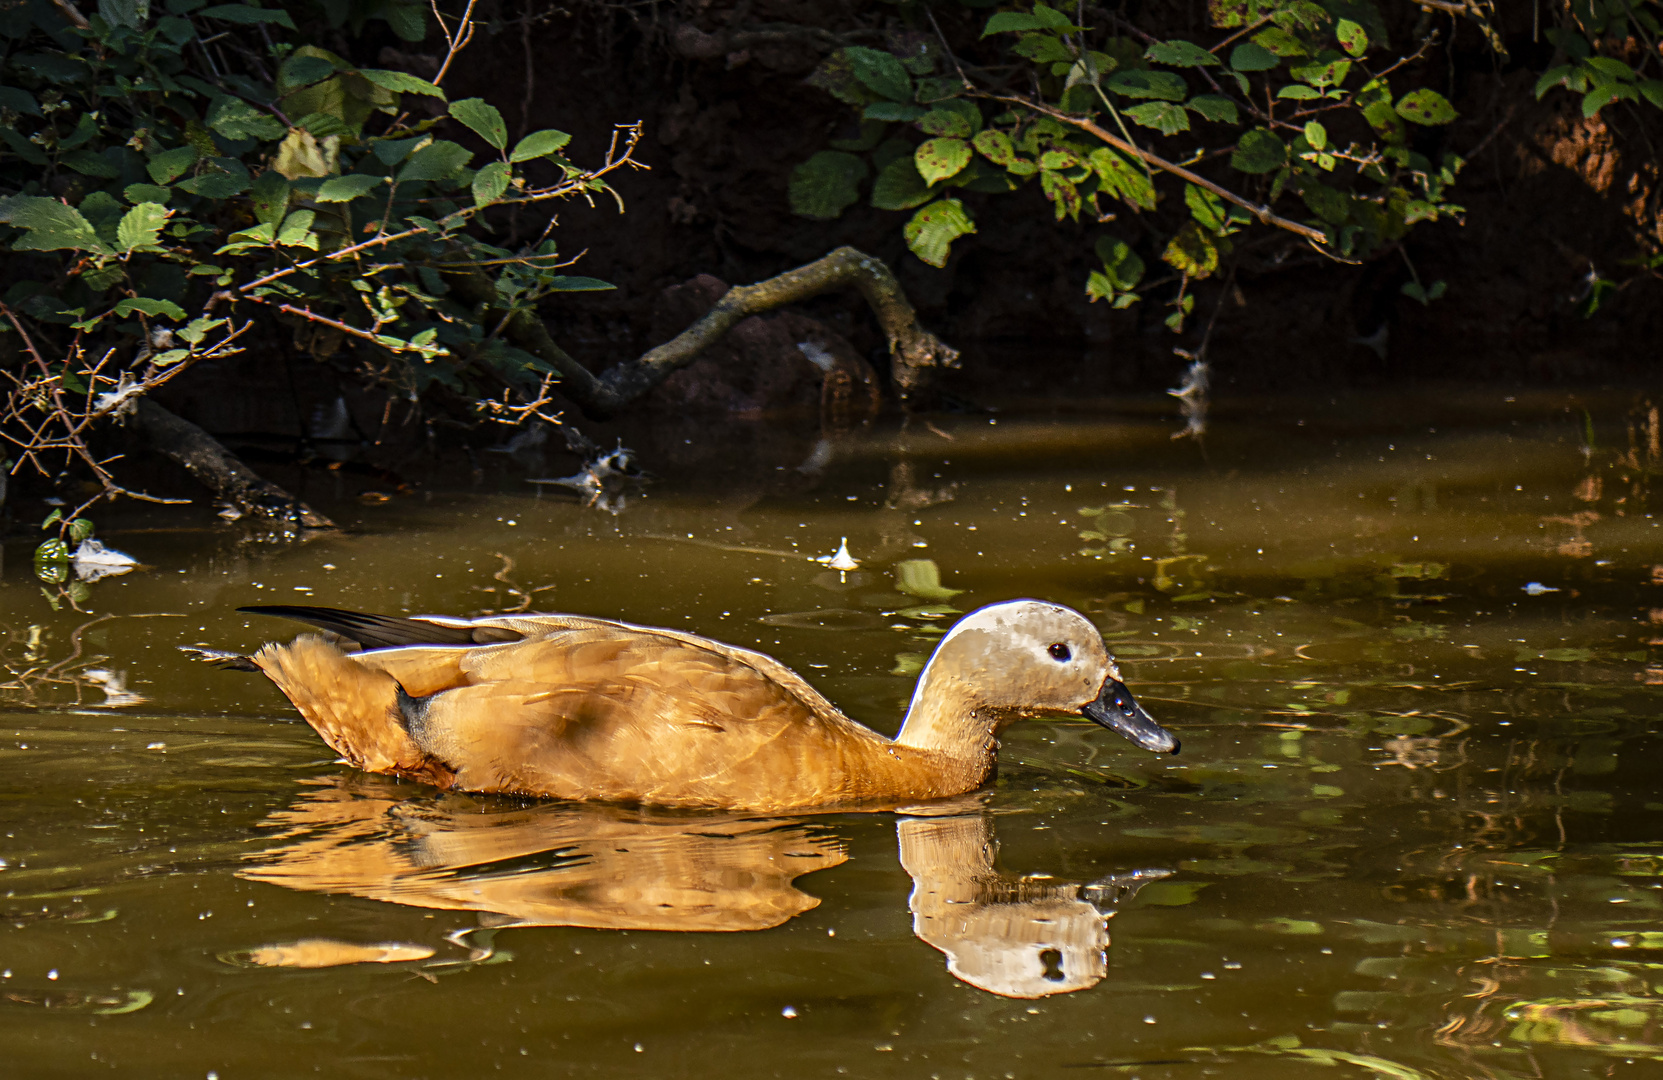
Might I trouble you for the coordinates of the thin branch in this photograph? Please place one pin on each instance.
(457, 41)
(1261, 211)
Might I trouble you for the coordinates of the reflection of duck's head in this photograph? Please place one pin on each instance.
(1016, 937)
(1023, 658)
(1030, 948)
(545, 865)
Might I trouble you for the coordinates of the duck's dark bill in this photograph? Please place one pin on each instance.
(1117, 710)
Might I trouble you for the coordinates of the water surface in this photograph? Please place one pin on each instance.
(1409, 642)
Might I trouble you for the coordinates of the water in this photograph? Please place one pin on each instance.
(1410, 645)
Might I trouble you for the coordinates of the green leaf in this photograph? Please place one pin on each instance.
(248, 16)
(899, 186)
(339, 189)
(880, 72)
(237, 119)
(1178, 53)
(401, 83)
(945, 122)
(137, 193)
(1191, 252)
(933, 229)
(269, 196)
(995, 146)
(1425, 106)
(1205, 207)
(80, 528)
(1120, 263)
(1163, 116)
(1322, 73)
(1250, 57)
(484, 120)
(1044, 17)
(1258, 151)
(304, 69)
(1316, 135)
(1352, 37)
(1326, 203)
(1298, 92)
(141, 227)
(892, 111)
(826, 184)
(1652, 90)
(88, 163)
(296, 230)
(564, 283)
(1123, 178)
(539, 144)
(221, 179)
(1611, 68)
(1216, 107)
(435, 161)
(197, 329)
(1166, 85)
(156, 309)
(937, 159)
(490, 182)
(51, 225)
(1063, 193)
(1552, 77)
(1279, 41)
(169, 165)
(19, 101)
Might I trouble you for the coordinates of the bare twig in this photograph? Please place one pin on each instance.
(454, 42)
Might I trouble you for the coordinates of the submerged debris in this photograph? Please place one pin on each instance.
(606, 475)
(1192, 400)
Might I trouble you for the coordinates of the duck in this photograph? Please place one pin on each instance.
(590, 709)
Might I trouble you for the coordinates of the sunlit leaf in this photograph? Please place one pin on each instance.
(933, 229)
(539, 144)
(1425, 106)
(937, 159)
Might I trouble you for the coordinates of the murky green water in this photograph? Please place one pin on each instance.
(1410, 645)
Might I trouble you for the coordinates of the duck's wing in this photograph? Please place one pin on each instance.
(644, 716)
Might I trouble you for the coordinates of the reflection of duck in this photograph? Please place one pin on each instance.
(546, 864)
(1017, 937)
(605, 867)
(579, 708)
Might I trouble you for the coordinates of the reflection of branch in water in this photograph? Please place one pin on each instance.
(23, 661)
(526, 596)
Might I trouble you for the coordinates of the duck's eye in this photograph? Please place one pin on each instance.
(1059, 652)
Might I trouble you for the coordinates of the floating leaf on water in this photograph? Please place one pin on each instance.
(922, 578)
(824, 619)
(1171, 893)
(322, 953)
(1284, 925)
(908, 663)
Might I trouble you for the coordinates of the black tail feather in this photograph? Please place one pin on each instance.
(381, 631)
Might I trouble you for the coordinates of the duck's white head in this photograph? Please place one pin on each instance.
(1028, 657)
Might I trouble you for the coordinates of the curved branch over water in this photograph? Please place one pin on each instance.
(916, 352)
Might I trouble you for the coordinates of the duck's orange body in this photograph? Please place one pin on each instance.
(577, 708)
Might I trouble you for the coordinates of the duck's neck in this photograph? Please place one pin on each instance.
(948, 717)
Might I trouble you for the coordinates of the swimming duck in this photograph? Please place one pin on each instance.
(571, 707)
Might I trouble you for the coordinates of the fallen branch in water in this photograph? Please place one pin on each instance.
(208, 461)
(916, 353)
